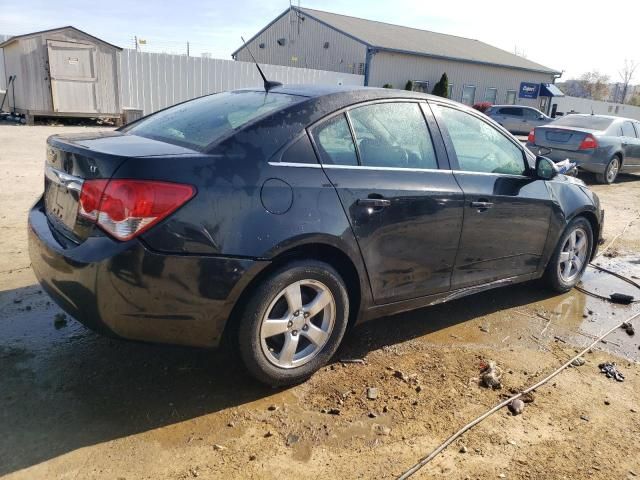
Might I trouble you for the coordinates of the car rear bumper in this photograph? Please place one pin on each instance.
(124, 289)
(585, 160)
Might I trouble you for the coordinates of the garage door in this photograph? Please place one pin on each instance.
(73, 76)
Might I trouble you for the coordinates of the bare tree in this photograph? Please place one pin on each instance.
(595, 85)
(626, 74)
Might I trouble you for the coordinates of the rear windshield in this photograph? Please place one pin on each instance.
(202, 121)
(592, 122)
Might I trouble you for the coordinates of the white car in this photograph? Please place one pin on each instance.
(518, 119)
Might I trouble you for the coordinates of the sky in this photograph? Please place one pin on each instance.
(569, 36)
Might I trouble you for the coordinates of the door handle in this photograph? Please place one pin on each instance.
(377, 203)
(482, 205)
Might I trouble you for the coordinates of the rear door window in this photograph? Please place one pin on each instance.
(513, 111)
(479, 146)
(530, 114)
(393, 135)
(200, 122)
(335, 143)
(627, 130)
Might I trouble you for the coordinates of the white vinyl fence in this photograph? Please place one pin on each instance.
(586, 105)
(152, 81)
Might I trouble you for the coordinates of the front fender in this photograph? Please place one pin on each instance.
(570, 201)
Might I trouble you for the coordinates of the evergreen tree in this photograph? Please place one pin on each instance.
(441, 89)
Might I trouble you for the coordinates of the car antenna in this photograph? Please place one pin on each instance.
(268, 84)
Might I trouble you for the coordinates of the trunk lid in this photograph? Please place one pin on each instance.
(72, 159)
(561, 138)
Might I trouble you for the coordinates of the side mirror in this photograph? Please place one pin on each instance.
(541, 117)
(545, 168)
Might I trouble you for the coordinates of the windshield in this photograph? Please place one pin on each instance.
(592, 122)
(200, 122)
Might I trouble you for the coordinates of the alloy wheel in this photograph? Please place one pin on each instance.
(298, 323)
(573, 255)
(613, 169)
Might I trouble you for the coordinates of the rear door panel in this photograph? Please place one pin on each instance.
(409, 240)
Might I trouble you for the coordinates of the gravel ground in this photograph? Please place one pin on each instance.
(76, 405)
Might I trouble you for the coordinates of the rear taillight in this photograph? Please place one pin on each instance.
(126, 208)
(532, 136)
(588, 142)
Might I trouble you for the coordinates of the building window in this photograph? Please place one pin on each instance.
(490, 95)
(359, 70)
(450, 91)
(420, 86)
(511, 97)
(468, 94)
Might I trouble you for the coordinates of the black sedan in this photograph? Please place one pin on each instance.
(278, 219)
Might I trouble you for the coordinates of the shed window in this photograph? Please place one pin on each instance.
(511, 97)
(421, 86)
(468, 94)
(450, 91)
(490, 95)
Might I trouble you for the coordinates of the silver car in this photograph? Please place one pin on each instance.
(601, 144)
(516, 118)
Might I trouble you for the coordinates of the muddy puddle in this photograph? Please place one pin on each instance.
(524, 316)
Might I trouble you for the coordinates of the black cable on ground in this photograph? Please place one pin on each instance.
(504, 403)
(610, 299)
(422, 462)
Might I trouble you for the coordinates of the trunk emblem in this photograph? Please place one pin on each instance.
(93, 169)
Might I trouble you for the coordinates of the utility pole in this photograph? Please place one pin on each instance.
(187, 49)
(135, 40)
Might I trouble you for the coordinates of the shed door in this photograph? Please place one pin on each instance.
(73, 77)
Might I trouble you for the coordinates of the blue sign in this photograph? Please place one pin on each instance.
(529, 90)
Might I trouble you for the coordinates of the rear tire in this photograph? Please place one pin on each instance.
(610, 172)
(293, 323)
(571, 256)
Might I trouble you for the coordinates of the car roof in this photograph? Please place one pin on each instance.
(349, 92)
(513, 106)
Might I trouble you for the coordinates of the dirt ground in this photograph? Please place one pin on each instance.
(75, 405)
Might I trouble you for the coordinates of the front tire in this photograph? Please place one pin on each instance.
(610, 172)
(571, 256)
(293, 323)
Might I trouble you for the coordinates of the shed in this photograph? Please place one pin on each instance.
(62, 72)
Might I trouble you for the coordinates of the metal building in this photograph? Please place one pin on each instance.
(62, 72)
(393, 54)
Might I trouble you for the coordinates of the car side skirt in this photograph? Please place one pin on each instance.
(429, 300)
